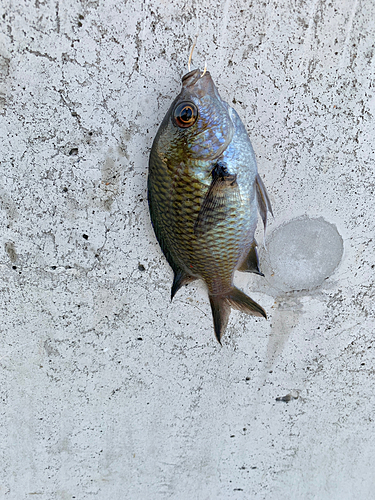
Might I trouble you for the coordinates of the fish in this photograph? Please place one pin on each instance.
(204, 192)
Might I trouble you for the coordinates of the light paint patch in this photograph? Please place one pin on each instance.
(301, 254)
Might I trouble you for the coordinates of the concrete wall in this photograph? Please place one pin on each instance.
(109, 391)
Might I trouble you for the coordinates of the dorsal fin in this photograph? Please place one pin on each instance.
(180, 279)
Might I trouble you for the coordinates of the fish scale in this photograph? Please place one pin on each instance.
(203, 189)
(195, 257)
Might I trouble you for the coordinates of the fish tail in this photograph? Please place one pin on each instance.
(220, 313)
(221, 306)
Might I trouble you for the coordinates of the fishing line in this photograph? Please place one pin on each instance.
(191, 52)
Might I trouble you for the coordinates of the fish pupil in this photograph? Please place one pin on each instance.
(186, 114)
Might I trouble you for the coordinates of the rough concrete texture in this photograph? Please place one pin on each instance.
(107, 389)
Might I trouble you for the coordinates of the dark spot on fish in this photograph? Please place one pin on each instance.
(220, 171)
(139, 338)
(14, 267)
(65, 189)
(85, 236)
(73, 151)
(141, 267)
(53, 268)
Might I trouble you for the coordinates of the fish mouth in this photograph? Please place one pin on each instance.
(199, 84)
(192, 77)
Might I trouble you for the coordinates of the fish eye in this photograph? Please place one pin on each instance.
(185, 114)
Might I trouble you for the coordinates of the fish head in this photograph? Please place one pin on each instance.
(198, 125)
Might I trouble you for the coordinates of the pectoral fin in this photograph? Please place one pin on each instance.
(251, 263)
(264, 204)
(222, 194)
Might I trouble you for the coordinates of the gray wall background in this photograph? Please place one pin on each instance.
(109, 391)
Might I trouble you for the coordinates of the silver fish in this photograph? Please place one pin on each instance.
(203, 193)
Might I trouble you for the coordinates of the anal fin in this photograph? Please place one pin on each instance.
(251, 263)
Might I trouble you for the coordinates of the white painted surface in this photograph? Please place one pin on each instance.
(87, 408)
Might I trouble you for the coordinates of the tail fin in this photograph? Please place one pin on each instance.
(221, 306)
